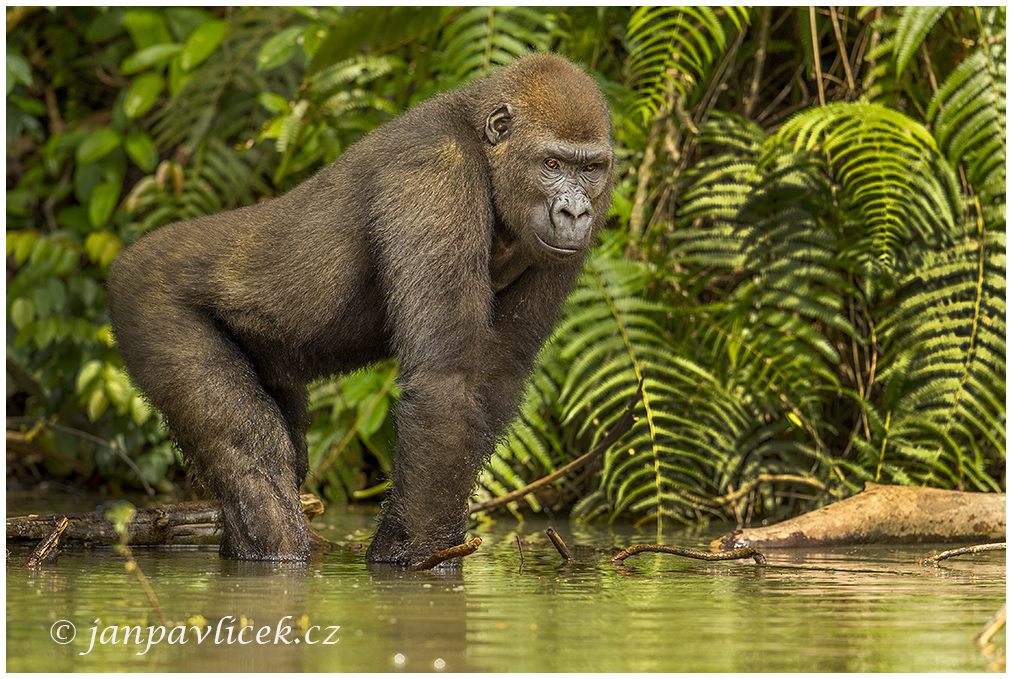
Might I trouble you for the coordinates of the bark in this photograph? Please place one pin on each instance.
(182, 523)
(896, 514)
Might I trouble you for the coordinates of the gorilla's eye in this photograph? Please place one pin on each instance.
(552, 164)
(592, 167)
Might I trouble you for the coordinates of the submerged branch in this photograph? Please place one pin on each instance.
(47, 547)
(559, 544)
(743, 553)
(447, 554)
(974, 549)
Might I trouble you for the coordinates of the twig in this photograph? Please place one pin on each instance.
(992, 627)
(843, 49)
(769, 478)
(816, 55)
(46, 547)
(447, 554)
(941, 556)
(760, 60)
(624, 424)
(742, 553)
(559, 545)
(94, 439)
(520, 549)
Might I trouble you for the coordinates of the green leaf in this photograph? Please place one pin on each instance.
(20, 244)
(22, 312)
(148, 57)
(117, 388)
(97, 404)
(202, 43)
(274, 103)
(142, 150)
(88, 375)
(140, 411)
(102, 204)
(278, 49)
(18, 70)
(102, 247)
(146, 28)
(96, 145)
(144, 91)
(313, 37)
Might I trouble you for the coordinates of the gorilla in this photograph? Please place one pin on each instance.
(448, 238)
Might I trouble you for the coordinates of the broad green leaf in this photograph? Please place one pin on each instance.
(274, 103)
(140, 411)
(102, 247)
(278, 49)
(102, 204)
(146, 28)
(97, 404)
(148, 57)
(96, 145)
(202, 44)
(144, 91)
(142, 150)
(18, 70)
(22, 312)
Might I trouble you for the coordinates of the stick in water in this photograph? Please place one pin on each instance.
(742, 553)
(447, 554)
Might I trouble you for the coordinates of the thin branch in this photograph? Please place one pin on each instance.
(624, 424)
(447, 554)
(46, 547)
(742, 553)
(843, 49)
(559, 545)
(760, 60)
(975, 549)
(94, 439)
(816, 55)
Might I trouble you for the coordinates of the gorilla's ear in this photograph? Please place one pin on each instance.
(499, 125)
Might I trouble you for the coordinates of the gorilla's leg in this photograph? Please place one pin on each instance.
(246, 442)
(443, 438)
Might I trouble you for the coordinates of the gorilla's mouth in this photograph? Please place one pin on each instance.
(558, 252)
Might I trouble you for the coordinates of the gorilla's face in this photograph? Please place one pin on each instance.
(552, 194)
(571, 180)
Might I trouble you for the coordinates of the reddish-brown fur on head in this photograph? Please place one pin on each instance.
(550, 94)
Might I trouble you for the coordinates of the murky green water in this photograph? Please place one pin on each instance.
(841, 610)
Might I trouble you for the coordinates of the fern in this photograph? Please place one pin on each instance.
(967, 117)
(674, 47)
(887, 165)
(913, 27)
(484, 37)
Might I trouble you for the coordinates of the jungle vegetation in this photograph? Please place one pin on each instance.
(805, 264)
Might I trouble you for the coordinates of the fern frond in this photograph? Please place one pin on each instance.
(913, 27)
(484, 37)
(967, 117)
(674, 47)
(887, 165)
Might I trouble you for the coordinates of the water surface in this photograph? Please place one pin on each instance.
(853, 609)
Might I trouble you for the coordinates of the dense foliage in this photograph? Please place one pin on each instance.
(806, 264)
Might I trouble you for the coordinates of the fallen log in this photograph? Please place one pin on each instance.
(180, 523)
(897, 514)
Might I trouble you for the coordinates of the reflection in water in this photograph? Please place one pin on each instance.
(849, 609)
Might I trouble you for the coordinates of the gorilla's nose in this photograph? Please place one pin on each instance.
(572, 217)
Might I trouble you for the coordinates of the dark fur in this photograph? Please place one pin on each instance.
(421, 242)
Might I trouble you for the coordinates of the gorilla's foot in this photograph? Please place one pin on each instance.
(269, 527)
(394, 544)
